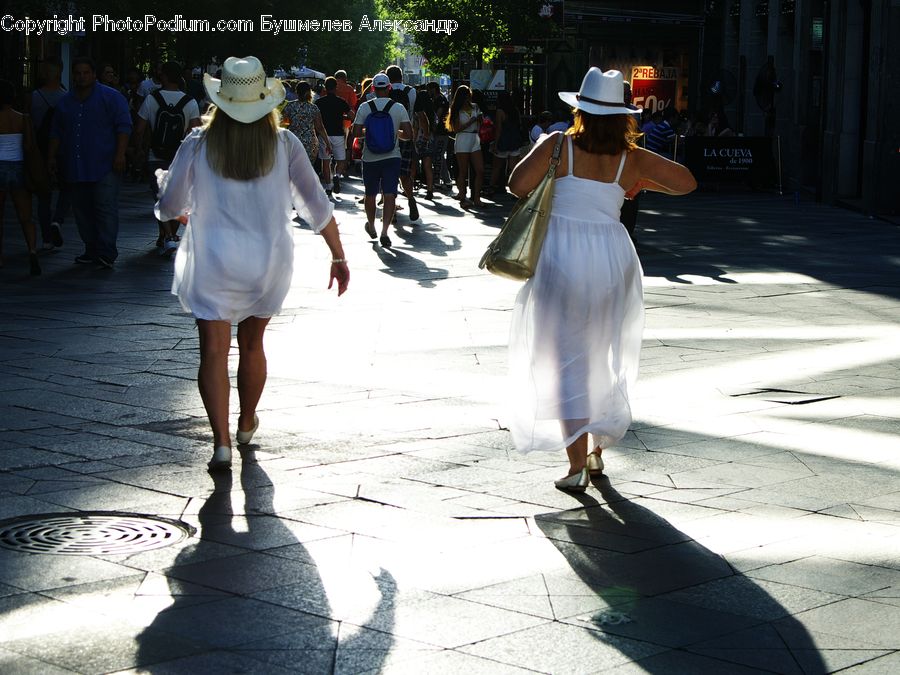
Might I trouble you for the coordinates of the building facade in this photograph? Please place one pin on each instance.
(820, 77)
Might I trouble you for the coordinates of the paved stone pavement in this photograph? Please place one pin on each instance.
(381, 521)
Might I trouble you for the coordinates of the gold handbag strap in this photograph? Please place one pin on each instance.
(554, 161)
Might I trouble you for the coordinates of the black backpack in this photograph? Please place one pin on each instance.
(168, 130)
(401, 96)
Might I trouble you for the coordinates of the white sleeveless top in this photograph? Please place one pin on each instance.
(588, 199)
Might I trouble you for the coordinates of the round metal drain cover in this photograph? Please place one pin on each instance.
(90, 533)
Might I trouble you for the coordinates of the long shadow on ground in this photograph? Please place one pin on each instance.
(631, 558)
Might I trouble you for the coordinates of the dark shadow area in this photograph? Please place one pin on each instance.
(422, 238)
(676, 268)
(273, 614)
(757, 232)
(633, 560)
(404, 266)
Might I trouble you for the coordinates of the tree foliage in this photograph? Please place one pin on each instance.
(358, 52)
(483, 27)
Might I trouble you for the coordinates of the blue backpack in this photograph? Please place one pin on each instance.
(380, 138)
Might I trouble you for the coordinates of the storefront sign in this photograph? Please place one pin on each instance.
(731, 158)
(653, 88)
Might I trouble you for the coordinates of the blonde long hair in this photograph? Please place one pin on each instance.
(237, 150)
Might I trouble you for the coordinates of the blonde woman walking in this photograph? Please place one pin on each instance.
(237, 178)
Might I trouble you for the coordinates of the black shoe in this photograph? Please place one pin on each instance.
(385, 241)
(84, 259)
(413, 211)
(336, 184)
(35, 266)
(370, 230)
(103, 261)
(328, 193)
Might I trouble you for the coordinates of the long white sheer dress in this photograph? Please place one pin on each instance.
(575, 337)
(236, 257)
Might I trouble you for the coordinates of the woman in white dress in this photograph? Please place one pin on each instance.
(238, 178)
(575, 338)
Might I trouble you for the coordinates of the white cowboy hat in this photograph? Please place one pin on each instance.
(244, 93)
(600, 94)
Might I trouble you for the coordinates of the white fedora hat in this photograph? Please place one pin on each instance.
(244, 93)
(600, 94)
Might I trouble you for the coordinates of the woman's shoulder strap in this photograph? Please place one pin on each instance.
(621, 166)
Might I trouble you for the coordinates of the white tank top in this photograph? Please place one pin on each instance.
(11, 148)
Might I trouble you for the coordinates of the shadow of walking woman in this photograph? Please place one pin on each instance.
(244, 608)
(668, 603)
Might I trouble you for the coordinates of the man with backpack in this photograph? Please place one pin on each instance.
(170, 114)
(406, 96)
(385, 122)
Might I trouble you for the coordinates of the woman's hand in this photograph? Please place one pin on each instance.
(340, 273)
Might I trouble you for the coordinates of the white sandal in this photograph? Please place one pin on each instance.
(221, 459)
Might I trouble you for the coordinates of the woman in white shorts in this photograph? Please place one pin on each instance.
(464, 119)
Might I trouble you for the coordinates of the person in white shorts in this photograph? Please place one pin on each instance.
(334, 111)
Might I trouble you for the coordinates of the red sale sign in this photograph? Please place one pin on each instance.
(653, 88)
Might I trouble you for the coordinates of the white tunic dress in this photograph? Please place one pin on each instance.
(575, 338)
(236, 257)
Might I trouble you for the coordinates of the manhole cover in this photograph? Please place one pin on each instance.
(93, 533)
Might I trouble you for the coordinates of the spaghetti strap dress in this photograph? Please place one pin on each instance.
(575, 337)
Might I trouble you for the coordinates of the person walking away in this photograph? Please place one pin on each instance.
(237, 179)
(424, 149)
(464, 119)
(43, 106)
(346, 91)
(333, 110)
(382, 121)
(15, 136)
(575, 337)
(407, 96)
(170, 113)
(305, 122)
(194, 88)
(508, 146)
(441, 106)
(90, 134)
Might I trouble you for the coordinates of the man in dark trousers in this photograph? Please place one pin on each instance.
(90, 134)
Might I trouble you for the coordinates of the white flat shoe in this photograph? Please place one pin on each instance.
(221, 459)
(595, 464)
(244, 437)
(577, 482)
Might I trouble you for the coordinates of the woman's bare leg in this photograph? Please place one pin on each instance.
(577, 453)
(212, 377)
(252, 369)
(22, 202)
(462, 174)
(478, 166)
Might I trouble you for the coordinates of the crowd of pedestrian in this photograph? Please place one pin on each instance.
(235, 173)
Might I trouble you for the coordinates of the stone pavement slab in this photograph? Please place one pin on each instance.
(381, 521)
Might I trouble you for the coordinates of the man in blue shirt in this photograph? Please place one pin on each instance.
(89, 136)
(659, 138)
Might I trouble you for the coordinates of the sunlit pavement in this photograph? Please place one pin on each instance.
(381, 522)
